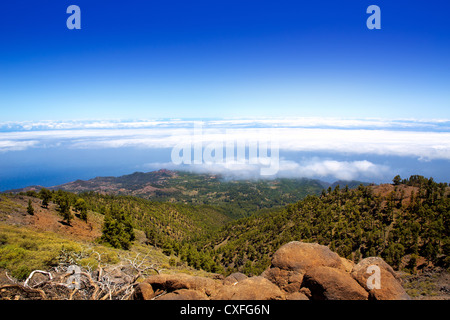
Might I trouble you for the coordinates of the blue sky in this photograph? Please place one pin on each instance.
(348, 102)
(191, 59)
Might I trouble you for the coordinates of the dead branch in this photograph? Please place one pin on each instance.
(103, 283)
(137, 264)
(33, 273)
(73, 292)
(26, 289)
(92, 283)
(10, 278)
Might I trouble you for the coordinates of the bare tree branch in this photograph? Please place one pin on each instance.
(106, 282)
(33, 273)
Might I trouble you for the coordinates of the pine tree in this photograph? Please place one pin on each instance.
(152, 237)
(397, 180)
(81, 207)
(66, 214)
(46, 196)
(83, 214)
(111, 231)
(30, 209)
(117, 229)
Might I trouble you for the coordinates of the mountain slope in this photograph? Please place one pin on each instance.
(237, 198)
(403, 224)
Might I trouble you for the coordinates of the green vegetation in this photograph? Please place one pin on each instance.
(169, 222)
(46, 196)
(354, 223)
(81, 207)
(165, 224)
(30, 209)
(407, 219)
(236, 199)
(117, 229)
(8, 206)
(64, 201)
(23, 250)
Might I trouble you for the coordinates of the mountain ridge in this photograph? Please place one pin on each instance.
(240, 197)
(165, 173)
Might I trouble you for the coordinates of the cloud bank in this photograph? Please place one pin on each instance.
(424, 145)
(312, 168)
(360, 139)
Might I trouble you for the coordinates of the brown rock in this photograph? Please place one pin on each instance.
(289, 281)
(173, 282)
(234, 278)
(254, 288)
(184, 294)
(328, 283)
(365, 263)
(348, 265)
(143, 291)
(390, 284)
(297, 296)
(301, 256)
(306, 292)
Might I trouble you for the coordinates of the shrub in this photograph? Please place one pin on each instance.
(3, 239)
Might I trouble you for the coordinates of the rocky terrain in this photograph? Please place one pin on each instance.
(299, 271)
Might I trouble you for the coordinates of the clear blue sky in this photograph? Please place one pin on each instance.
(224, 58)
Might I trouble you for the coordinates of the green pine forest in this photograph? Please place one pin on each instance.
(400, 224)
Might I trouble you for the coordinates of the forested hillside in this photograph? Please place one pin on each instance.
(400, 223)
(236, 198)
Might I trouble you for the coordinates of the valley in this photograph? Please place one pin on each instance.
(191, 225)
(238, 198)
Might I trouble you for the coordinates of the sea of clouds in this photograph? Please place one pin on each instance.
(342, 149)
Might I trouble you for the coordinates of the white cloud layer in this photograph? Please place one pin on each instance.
(426, 140)
(299, 122)
(342, 170)
(423, 145)
(311, 168)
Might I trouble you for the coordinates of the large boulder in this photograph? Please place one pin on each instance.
(328, 283)
(299, 271)
(254, 288)
(143, 291)
(294, 259)
(173, 282)
(184, 294)
(289, 281)
(390, 287)
(235, 278)
(300, 257)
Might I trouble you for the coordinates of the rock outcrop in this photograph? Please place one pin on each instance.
(300, 257)
(390, 286)
(299, 271)
(179, 285)
(254, 288)
(328, 283)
